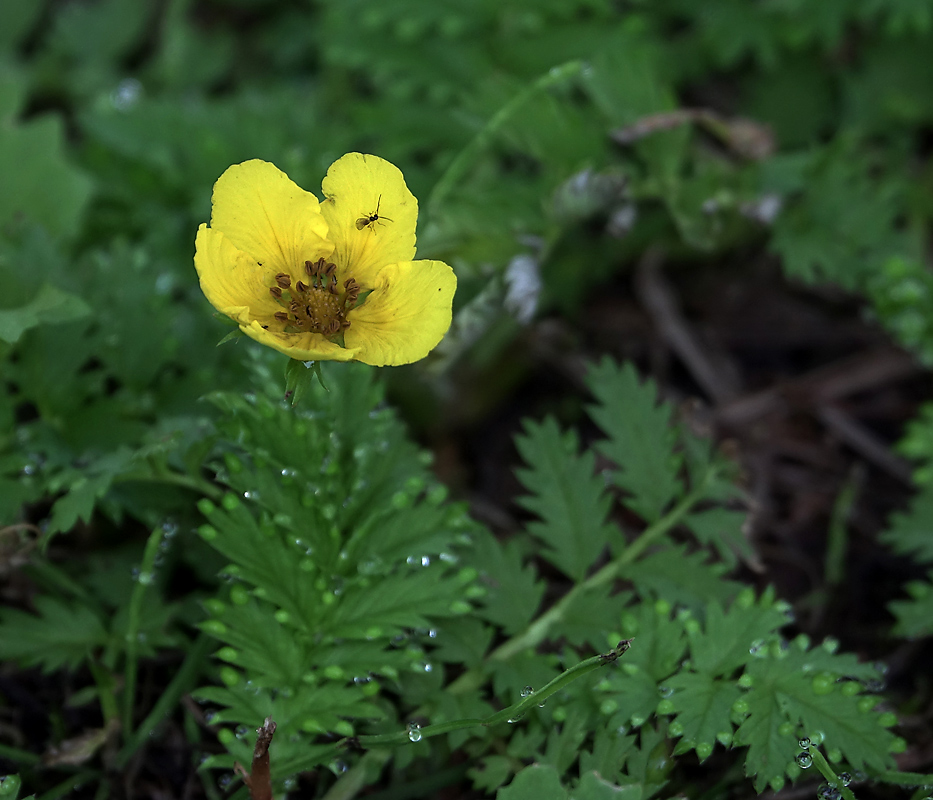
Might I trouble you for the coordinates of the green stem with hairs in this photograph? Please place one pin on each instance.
(538, 631)
(460, 166)
(829, 773)
(144, 578)
(510, 714)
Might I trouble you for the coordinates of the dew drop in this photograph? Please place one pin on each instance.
(828, 792)
(241, 731)
(414, 732)
(758, 648)
(804, 760)
(845, 778)
(665, 691)
(804, 743)
(527, 691)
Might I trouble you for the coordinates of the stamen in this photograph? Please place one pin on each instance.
(316, 306)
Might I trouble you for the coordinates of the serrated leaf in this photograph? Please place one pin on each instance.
(569, 498)
(464, 641)
(703, 705)
(79, 502)
(728, 636)
(769, 751)
(783, 691)
(534, 783)
(721, 529)
(490, 773)
(681, 577)
(515, 590)
(593, 787)
(564, 740)
(843, 225)
(659, 640)
(640, 437)
(61, 635)
(911, 532)
(590, 617)
(915, 616)
(609, 750)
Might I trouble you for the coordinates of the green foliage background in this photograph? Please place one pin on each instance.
(573, 134)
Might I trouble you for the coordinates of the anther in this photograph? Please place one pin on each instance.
(330, 269)
(283, 280)
(301, 286)
(281, 316)
(276, 292)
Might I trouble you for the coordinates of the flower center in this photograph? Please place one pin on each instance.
(318, 306)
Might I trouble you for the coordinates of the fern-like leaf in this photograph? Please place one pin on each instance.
(640, 438)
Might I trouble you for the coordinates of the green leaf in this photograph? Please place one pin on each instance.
(911, 532)
(914, 616)
(721, 529)
(771, 749)
(727, 636)
(515, 590)
(843, 224)
(38, 181)
(16, 18)
(79, 502)
(534, 783)
(640, 437)
(681, 577)
(50, 306)
(490, 773)
(569, 498)
(703, 705)
(62, 635)
(594, 787)
(799, 689)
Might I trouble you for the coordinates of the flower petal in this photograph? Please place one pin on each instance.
(406, 315)
(303, 346)
(269, 217)
(357, 188)
(232, 281)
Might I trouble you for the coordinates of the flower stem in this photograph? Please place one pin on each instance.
(144, 578)
(510, 714)
(459, 167)
(829, 773)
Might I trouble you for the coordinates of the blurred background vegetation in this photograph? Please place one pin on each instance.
(732, 193)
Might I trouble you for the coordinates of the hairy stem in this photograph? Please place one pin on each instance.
(538, 631)
(459, 167)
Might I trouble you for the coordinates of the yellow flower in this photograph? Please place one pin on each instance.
(324, 280)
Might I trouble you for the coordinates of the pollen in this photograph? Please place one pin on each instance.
(318, 305)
